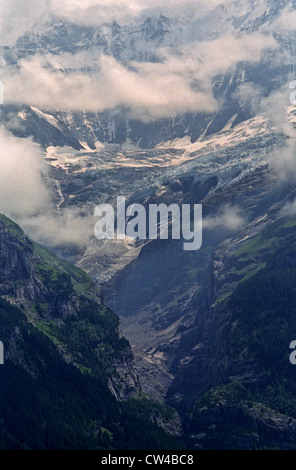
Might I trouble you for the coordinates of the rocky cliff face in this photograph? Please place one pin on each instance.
(52, 293)
(64, 351)
(17, 270)
(233, 384)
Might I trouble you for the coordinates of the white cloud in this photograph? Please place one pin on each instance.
(146, 94)
(69, 227)
(286, 21)
(206, 59)
(26, 196)
(289, 209)
(284, 162)
(176, 84)
(251, 95)
(98, 11)
(278, 109)
(22, 191)
(230, 218)
(180, 82)
(19, 16)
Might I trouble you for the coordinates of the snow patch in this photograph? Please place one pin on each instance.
(47, 117)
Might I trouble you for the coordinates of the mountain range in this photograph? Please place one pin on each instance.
(188, 105)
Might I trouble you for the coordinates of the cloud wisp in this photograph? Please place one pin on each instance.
(230, 219)
(26, 197)
(177, 83)
(18, 17)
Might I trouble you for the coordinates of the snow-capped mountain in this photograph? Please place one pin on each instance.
(153, 38)
(180, 105)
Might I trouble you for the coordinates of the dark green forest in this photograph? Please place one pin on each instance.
(46, 403)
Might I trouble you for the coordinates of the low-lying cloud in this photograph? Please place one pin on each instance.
(70, 227)
(229, 218)
(176, 84)
(277, 107)
(22, 191)
(26, 197)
